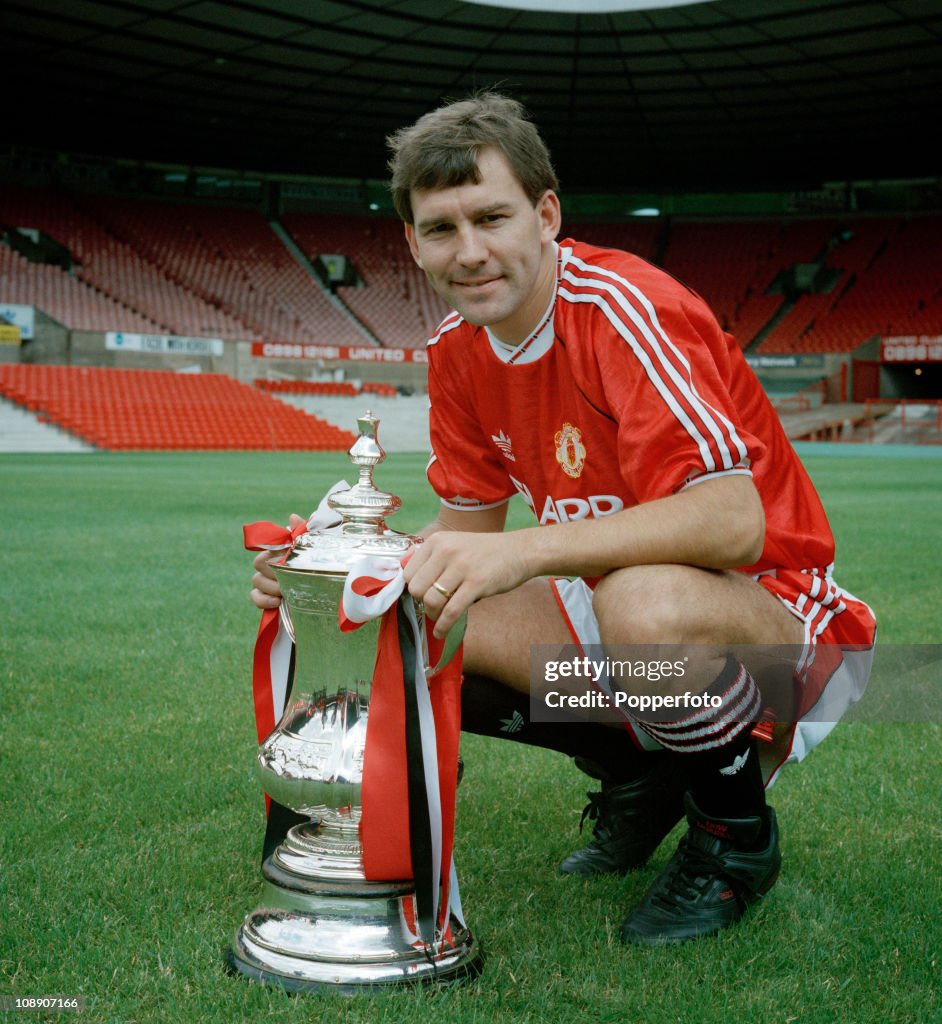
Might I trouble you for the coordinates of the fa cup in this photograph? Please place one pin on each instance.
(321, 923)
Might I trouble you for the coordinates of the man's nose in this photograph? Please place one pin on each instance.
(471, 249)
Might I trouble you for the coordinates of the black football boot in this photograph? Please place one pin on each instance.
(630, 819)
(707, 885)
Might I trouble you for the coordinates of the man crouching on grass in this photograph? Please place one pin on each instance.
(604, 393)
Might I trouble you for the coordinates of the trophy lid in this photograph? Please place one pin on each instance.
(363, 509)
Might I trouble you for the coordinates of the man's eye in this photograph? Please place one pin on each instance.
(492, 218)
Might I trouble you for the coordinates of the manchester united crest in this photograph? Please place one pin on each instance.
(570, 451)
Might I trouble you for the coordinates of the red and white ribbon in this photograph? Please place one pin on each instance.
(372, 587)
(372, 590)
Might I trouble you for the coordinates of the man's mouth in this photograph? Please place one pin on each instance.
(479, 283)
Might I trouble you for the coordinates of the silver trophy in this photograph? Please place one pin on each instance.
(321, 923)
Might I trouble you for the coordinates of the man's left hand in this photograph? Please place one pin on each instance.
(450, 571)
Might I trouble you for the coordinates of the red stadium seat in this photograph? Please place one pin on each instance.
(156, 409)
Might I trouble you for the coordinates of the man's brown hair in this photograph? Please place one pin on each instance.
(441, 149)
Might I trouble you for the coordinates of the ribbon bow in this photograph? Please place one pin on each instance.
(266, 536)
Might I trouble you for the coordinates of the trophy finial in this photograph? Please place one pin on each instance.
(364, 508)
(368, 424)
(367, 452)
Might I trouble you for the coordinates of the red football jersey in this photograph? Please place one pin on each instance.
(628, 391)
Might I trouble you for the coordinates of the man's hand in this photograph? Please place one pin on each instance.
(450, 571)
(265, 592)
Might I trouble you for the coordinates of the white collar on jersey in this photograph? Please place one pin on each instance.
(539, 342)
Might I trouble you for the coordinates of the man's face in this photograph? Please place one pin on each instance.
(486, 250)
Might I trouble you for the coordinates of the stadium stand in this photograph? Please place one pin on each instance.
(889, 285)
(112, 267)
(120, 409)
(65, 298)
(733, 265)
(393, 299)
(221, 271)
(191, 270)
(736, 270)
(231, 257)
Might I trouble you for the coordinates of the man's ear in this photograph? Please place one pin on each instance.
(551, 216)
(413, 248)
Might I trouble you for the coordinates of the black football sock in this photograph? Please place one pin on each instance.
(488, 708)
(729, 781)
(717, 741)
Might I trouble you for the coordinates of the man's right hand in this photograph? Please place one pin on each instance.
(265, 592)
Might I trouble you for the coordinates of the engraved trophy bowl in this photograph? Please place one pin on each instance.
(321, 923)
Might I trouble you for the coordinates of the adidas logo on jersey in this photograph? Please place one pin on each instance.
(503, 443)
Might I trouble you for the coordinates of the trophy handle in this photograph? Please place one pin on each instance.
(452, 642)
(285, 617)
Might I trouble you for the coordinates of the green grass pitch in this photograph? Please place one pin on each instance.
(131, 825)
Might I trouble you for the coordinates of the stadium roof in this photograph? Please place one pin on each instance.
(731, 93)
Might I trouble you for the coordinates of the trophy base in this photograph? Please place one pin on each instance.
(312, 935)
(300, 975)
